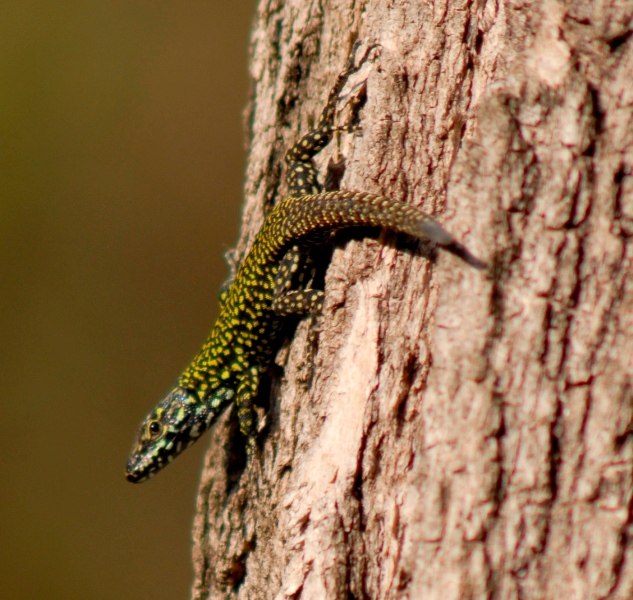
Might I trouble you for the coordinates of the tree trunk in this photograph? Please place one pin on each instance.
(440, 432)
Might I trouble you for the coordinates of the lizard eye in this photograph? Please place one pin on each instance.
(154, 429)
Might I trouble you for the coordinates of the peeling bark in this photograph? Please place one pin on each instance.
(437, 433)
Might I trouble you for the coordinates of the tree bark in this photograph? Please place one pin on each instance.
(440, 432)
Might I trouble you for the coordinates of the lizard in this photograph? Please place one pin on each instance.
(272, 282)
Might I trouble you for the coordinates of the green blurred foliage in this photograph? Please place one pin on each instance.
(121, 162)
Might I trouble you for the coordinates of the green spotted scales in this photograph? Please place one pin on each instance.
(273, 281)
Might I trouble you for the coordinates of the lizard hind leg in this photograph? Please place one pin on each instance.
(302, 174)
(299, 302)
(293, 294)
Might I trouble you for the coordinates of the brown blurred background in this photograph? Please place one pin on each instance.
(121, 161)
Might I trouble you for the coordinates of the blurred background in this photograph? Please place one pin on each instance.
(121, 164)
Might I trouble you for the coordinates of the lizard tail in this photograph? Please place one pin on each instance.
(298, 217)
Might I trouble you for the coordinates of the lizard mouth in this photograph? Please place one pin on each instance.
(141, 467)
(137, 473)
(147, 461)
(136, 477)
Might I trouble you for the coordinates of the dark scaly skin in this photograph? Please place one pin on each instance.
(243, 341)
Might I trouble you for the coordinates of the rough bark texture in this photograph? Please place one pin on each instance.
(440, 433)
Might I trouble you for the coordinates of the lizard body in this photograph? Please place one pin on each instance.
(244, 338)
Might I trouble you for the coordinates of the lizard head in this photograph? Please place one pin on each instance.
(174, 424)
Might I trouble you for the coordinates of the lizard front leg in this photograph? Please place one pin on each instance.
(248, 382)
